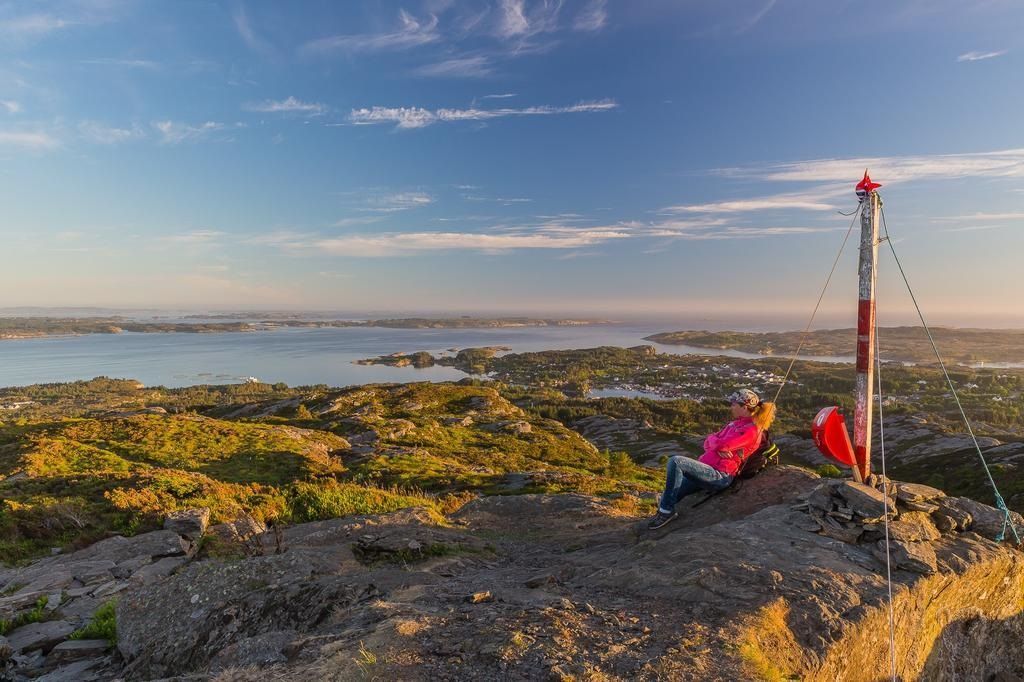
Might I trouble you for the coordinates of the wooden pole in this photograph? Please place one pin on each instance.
(866, 335)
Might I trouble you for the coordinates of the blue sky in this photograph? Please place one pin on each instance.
(596, 156)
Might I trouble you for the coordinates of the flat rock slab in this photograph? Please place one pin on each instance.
(79, 671)
(42, 636)
(77, 650)
(159, 569)
(865, 501)
(917, 557)
(916, 492)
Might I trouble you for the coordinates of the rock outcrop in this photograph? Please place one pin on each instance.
(780, 578)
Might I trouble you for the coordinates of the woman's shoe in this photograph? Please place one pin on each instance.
(660, 519)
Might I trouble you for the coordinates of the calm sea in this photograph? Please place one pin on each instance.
(294, 356)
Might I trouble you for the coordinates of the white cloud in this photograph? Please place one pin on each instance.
(461, 67)
(10, 106)
(978, 56)
(288, 105)
(101, 134)
(593, 17)
(412, 33)
(172, 132)
(416, 117)
(28, 139)
(504, 95)
(890, 169)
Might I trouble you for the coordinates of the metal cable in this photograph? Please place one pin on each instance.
(803, 336)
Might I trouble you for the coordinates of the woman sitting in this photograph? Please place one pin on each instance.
(724, 454)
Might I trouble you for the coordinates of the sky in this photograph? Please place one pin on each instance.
(597, 157)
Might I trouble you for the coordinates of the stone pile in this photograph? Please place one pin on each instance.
(917, 515)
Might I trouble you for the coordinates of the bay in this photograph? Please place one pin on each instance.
(296, 356)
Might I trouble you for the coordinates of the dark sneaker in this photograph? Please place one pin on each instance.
(660, 519)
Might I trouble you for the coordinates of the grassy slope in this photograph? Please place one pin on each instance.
(74, 480)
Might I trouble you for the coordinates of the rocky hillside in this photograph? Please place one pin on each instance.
(782, 579)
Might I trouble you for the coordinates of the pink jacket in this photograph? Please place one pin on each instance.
(726, 450)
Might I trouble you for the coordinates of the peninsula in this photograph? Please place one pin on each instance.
(31, 327)
(901, 344)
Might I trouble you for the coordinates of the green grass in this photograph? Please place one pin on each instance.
(102, 626)
(35, 615)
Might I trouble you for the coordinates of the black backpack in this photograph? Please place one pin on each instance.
(766, 455)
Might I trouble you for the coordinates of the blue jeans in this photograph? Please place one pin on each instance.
(685, 476)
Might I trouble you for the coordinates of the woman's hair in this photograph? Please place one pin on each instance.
(763, 415)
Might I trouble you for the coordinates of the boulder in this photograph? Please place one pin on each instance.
(39, 636)
(952, 515)
(188, 523)
(984, 520)
(912, 526)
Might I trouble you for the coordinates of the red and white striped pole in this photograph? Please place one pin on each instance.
(866, 332)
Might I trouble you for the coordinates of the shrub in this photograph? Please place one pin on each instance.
(330, 499)
(829, 471)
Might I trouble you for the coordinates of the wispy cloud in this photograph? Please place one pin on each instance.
(972, 228)
(172, 132)
(890, 169)
(393, 203)
(982, 217)
(30, 26)
(362, 220)
(416, 117)
(504, 95)
(124, 63)
(194, 237)
(757, 16)
(460, 67)
(410, 243)
(28, 139)
(412, 32)
(593, 17)
(978, 56)
(10, 106)
(513, 18)
(802, 202)
(248, 32)
(103, 134)
(289, 105)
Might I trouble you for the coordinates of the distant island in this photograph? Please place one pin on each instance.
(31, 327)
(902, 344)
